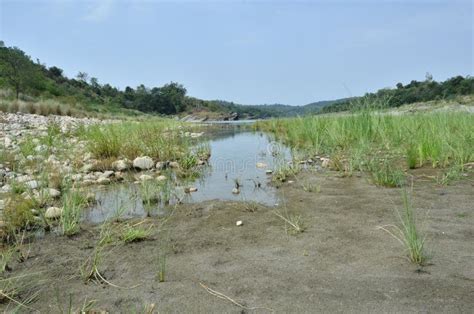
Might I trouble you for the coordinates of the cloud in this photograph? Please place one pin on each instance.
(99, 10)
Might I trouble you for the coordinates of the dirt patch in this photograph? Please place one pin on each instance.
(341, 262)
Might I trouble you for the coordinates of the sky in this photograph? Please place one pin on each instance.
(249, 52)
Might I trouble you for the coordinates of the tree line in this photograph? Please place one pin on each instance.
(21, 74)
(415, 91)
(24, 76)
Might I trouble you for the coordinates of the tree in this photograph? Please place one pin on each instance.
(173, 98)
(55, 72)
(82, 76)
(17, 69)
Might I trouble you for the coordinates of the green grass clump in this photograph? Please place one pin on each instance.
(385, 174)
(74, 203)
(283, 171)
(293, 223)
(135, 234)
(160, 139)
(18, 214)
(407, 232)
(438, 139)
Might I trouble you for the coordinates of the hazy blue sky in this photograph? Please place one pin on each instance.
(250, 52)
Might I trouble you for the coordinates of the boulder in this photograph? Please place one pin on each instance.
(121, 165)
(143, 163)
(53, 212)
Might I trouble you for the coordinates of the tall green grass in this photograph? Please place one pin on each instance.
(158, 138)
(437, 139)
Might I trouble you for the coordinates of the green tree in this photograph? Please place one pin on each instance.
(17, 70)
(173, 98)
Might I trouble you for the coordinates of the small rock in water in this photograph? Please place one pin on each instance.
(261, 165)
(239, 223)
(269, 171)
(53, 212)
(143, 163)
(190, 190)
(235, 191)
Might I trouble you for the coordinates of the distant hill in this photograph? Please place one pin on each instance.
(413, 92)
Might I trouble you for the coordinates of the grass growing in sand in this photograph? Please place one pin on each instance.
(407, 232)
(135, 234)
(293, 223)
(382, 143)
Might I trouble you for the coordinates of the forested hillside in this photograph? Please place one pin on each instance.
(413, 92)
(32, 81)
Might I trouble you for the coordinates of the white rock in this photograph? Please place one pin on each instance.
(261, 165)
(6, 188)
(235, 191)
(40, 148)
(107, 174)
(143, 163)
(239, 223)
(103, 180)
(160, 165)
(87, 157)
(325, 162)
(174, 164)
(145, 177)
(269, 171)
(33, 184)
(8, 142)
(87, 168)
(76, 177)
(161, 178)
(24, 178)
(53, 212)
(121, 165)
(54, 193)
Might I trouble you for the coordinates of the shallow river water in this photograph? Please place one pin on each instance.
(236, 155)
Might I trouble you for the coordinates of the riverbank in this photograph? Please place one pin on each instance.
(322, 241)
(340, 259)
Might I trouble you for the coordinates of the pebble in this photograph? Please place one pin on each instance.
(239, 223)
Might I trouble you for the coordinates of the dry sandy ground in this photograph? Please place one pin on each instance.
(340, 263)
